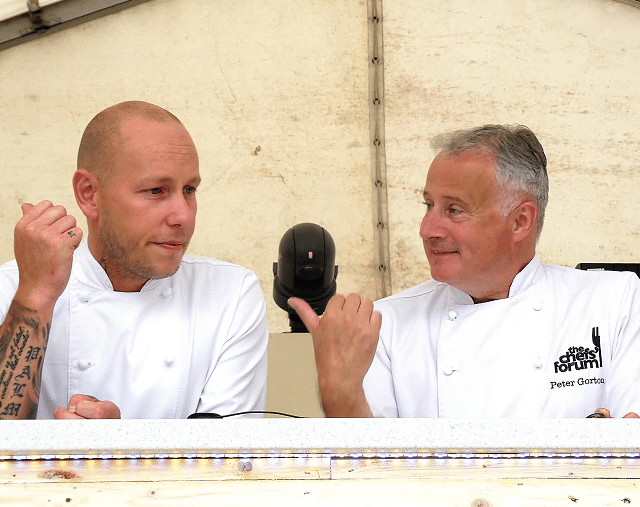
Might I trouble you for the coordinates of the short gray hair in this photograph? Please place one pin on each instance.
(520, 161)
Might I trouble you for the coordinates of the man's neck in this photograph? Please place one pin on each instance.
(504, 292)
(120, 281)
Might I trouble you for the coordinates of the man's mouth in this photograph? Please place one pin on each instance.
(443, 252)
(170, 245)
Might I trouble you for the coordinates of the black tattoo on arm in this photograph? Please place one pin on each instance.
(23, 341)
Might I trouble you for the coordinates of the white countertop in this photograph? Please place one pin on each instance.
(335, 437)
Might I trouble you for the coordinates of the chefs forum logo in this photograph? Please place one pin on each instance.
(581, 358)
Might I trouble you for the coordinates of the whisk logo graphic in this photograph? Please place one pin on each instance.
(581, 358)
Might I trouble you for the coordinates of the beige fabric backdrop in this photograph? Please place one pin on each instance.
(568, 69)
(275, 94)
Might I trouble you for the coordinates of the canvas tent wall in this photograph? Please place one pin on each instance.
(322, 111)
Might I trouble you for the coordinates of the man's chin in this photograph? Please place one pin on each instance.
(443, 274)
(163, 268)
(441, 266)
(158, 274)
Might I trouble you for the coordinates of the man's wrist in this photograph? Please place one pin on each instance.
(35, 300)
(338, 402)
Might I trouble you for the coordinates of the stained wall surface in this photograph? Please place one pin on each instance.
(568, 69)
(276, 96)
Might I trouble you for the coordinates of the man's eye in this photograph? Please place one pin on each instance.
(155, 191)
(454, 211)
(428, 205)
(190, 190)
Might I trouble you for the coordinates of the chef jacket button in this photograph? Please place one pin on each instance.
(537, 306)
(84, 298)
(447, 371)
(169, 360)
(453, 315)
(83, 364)
(167, 291)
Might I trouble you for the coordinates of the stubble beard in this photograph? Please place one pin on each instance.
(116, 256)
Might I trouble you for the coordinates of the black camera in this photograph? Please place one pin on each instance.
(305, 269)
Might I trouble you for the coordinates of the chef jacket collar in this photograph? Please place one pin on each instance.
(92, 273)
(522, 281)
(527, 277)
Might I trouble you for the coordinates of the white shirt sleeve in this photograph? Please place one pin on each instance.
(622, 393)
(237, 382)
(378, 382)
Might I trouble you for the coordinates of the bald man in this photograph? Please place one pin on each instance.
(125, 324)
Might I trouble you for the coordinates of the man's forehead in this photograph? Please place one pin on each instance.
(151, 162)
(137, 130)
(474, 163)
(157, 142)
(461, 176)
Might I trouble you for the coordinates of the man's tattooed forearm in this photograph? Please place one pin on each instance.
(11, 410)
(36, 380)
(23, 342)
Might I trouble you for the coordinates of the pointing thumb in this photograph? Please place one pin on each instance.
(307, 315)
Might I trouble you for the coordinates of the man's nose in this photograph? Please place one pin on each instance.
(182, 210)
(431, 225)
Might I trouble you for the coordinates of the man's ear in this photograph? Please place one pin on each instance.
(524, 221)
(85, 187)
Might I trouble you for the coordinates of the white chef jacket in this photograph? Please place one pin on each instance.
(564, 343)
(195, 341)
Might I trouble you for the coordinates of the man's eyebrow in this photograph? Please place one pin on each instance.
(426, 195)
(153, 180)
(161, 180)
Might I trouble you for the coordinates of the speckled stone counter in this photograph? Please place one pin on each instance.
(289, 437)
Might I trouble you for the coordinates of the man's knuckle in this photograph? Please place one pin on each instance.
(29, 228)
(348, 319)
